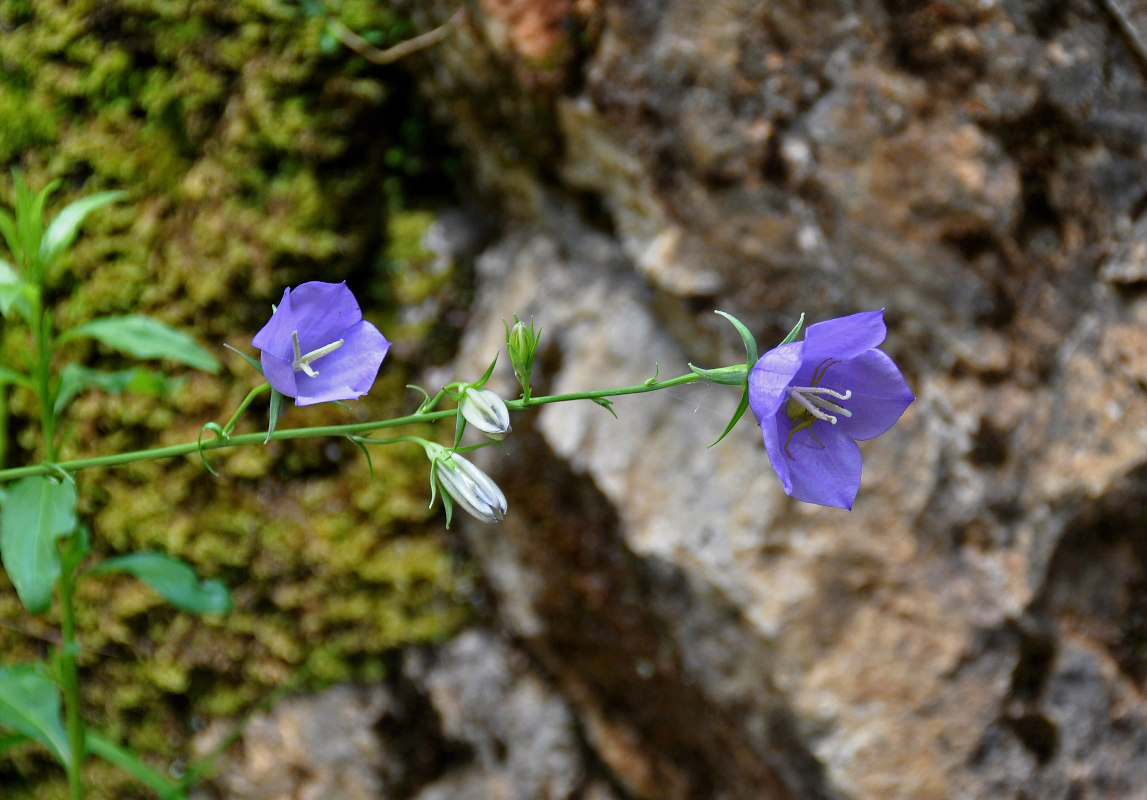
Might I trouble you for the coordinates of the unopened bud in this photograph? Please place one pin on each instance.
(486, 411)
(522, 344)
(469, 486)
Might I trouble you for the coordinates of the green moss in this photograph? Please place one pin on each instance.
(252, 160)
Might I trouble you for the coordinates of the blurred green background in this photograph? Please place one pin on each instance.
(257, 152)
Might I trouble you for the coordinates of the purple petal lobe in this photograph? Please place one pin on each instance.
(279, 373)
(844, 337)
(769, 378)
(824, 470)
(347, 373)
(879, 394)
(275, 336)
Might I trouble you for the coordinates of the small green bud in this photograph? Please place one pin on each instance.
(522, 344)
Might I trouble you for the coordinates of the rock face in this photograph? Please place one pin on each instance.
(977, 625)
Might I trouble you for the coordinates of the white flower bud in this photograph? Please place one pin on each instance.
(486, 411)
(471, 488)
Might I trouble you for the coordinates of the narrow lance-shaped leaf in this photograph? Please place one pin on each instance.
(63, 229)
(30, 705)
(145, 337)
(75, 378)
(36, 512)
(174, 580)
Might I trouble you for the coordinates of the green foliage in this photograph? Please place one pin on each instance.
(37, 511)
(143, 337)
(251, 160)
(174, 580)
(30, 706)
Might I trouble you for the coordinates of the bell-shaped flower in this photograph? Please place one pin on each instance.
(486, 411)
(317, 347)
(815, 398)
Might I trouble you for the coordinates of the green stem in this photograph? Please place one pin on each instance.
(69, 674)
(69, 677)
(251, 395)
(176, 450)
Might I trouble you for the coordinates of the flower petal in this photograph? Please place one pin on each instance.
(321, 312)
(279, 373)
(844, 337)
(825, 472)
(879, 394)
(769, 378)
(275, 336)
(346, 373)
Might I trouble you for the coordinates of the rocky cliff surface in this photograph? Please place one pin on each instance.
(977, 625)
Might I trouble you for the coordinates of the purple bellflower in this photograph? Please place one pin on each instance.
(815, 398)
(317, 347)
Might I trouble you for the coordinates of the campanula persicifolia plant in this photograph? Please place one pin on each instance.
(813, 400)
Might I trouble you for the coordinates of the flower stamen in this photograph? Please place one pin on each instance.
(303, 361)
(813, 400)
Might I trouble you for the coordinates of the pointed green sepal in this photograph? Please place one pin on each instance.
(796, 330)
(742, 407)
(746, 337)
(735, 375)
(274, 409)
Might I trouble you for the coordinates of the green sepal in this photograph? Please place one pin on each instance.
(740, 412)
(258, 367)
(274, 409)
(486, 375)
(736, 375)
(796, 330)
(746, 337)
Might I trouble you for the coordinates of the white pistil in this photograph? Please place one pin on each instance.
(303, 360)
(813, 399)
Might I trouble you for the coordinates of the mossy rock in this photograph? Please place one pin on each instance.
(255, 155)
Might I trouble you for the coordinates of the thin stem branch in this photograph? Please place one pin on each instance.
(371, 53)
(174, 451)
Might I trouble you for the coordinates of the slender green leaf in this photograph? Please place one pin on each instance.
(15, 292)
(30, 222)
(62, 232)
(74, 379)
(30, 705)
(37, 511)
(173, 579)
(130, 763)
(145, 337)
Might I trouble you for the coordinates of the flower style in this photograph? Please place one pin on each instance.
(814, 399)
(317, 347)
